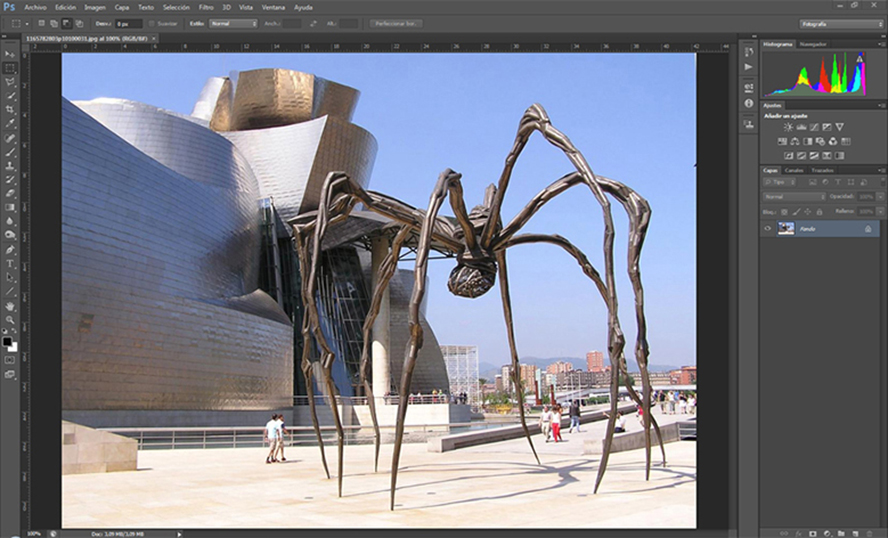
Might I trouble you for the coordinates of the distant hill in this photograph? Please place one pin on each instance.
(489, 371)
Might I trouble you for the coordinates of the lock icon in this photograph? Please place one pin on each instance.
(819, 212)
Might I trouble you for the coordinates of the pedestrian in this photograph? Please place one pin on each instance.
(682, 404)
(574, 416)
(692, 404)
(546, 422)
(272, 428)
(619, 423)
(281, 432)
(671, 401)
(556, 423)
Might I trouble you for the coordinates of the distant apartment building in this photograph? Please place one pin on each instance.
(595, 361)
(488, 389)
(660, 378)
(551, 379)
(507, 378)
(575, 379)
(687, 375)
(528, 374)
(498, 383)
(559, 367)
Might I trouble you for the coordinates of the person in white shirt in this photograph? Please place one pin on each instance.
(273, 435)
(619, 423)
(546, 422)
(281, 431)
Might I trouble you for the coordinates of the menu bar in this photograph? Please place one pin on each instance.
(126, 7)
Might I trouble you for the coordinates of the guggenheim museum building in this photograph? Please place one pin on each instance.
(180, 281)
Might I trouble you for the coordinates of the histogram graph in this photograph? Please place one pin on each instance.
(842, 73)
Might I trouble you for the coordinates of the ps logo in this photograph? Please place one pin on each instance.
(8, 6)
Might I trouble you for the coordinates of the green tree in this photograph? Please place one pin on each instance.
(497, 398)
(482, 381)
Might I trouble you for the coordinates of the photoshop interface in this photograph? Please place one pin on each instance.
(217, 213)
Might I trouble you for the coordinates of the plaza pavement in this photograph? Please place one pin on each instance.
(494, 485)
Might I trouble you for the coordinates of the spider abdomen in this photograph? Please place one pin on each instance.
(472, 279)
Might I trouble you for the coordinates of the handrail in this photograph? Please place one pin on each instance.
(254, 436)
(420, 399)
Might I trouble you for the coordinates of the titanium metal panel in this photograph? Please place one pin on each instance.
(274, 97)
(431, 371)
(292, 162)
(159, 271)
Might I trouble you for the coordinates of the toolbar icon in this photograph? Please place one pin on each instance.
(10, 344)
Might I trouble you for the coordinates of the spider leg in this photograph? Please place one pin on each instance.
(592, 273)
(306, 349)
(384, 275)
(334, 180)
(536, 119)
(327, 357)
(339, 195)
(639, 217)
(445, 180)
(639, 213)
(507, 310)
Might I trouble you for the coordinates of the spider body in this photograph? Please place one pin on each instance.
(472, 278)
(479, 241)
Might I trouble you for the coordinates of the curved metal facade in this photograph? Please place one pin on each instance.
(159, 270)
(162, 245)
(430, 372)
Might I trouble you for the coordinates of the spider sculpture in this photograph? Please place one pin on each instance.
(479, 240)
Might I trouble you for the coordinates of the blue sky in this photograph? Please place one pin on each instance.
(632, 115)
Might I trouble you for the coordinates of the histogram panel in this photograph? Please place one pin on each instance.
(823, 74)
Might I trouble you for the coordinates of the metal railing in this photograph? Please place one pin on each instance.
(388, 400)
(252, 437)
